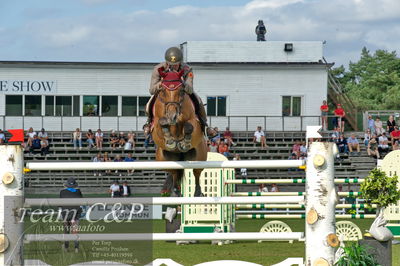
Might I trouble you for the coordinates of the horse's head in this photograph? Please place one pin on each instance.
(172, 94)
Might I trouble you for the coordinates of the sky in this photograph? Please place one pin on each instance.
(141, 30)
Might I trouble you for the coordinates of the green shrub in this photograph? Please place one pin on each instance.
(356, 255)
(380, 189)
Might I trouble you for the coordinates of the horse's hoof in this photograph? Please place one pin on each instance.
(184, 147)
(170, 145)
(197, 192)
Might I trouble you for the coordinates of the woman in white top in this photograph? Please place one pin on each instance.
(30, 134)
(99, 139)
(378, 126)
(130, 145)
(77, 135)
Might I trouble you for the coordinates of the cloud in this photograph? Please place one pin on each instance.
(132, 33)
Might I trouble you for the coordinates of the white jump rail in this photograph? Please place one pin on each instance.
(169, 165)
(166, 236)
(161, 200)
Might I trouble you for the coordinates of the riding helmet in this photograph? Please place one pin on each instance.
(173, 55)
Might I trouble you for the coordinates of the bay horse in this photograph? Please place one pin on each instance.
(176, 129)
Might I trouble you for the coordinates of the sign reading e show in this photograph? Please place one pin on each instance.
(28, 87)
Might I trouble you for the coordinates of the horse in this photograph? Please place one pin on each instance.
(176, 130)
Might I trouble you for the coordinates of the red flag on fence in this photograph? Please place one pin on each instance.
(17, 135)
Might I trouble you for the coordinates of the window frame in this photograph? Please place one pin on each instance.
(217, 100)
(291, 110)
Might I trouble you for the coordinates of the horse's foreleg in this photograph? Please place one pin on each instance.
(186, 144)
(197, 191)
(170, 143)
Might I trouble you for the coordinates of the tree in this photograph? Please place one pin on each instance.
(373, 83)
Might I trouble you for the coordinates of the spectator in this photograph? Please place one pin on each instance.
(339, 120)
(259, 137)
(99, 139)
(125, 189)
(324, 115)
(129, 158)
(371, 124)
(296, 149)
(372, 149)
(274, 188)
(263, 188)
(303, 151)
(395, 135)
(383, 145)
(35, 145)
(114, 140)
(350, 199)
(90, 138)
(342, 144)
(107, 159)
(122, 140)
(335, 135)
(228, 137)
(131, 141)
(390, 124)
(44, 142)
(97, 159)
(2, 137)
(223, 149)
(118, 159)
(378, 126)
(396, 145)
(367, 137)
(214, 146)
(353, 144)
(115, 190)
(217, 135)
(30, 134)
(71, 214)
(77, 138)
(243, 171)
(147, 136)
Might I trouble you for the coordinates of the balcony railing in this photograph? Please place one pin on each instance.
(135, 123)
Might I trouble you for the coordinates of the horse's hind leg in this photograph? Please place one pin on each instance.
(186, 144)
(176, 180)
(197, 191)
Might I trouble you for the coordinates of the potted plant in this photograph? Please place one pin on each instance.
(354, 255)
(380, 189)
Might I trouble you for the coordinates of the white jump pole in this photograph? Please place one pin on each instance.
(321, 199)
(11, 199)
(79, 166)
(166, 236)
(162, 200)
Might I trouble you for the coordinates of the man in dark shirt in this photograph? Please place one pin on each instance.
(71, 214)
(35, 144)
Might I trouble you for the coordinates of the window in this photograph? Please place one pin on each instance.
(90, 105)
(291, 105)
(216, 105)
(129, 106)
(13, 105)
(142, 105)
(63, 105)
(49, 109)
(76, 105)
(109, 105)
(33, 105)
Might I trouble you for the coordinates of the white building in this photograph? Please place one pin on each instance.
(278, 85)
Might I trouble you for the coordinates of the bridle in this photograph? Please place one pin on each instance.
(177, 104)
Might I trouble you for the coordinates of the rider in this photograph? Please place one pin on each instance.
(173, 62)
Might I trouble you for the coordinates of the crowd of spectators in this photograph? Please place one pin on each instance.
(107, 158)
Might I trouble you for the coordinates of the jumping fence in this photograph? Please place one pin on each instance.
(320, 206)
